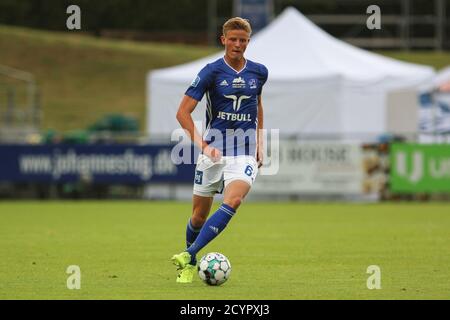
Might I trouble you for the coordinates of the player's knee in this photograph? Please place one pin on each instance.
(234, 202)
(198, 220)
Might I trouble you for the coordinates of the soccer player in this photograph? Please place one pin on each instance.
(234, 112)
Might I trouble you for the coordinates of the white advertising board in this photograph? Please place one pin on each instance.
(319, 168)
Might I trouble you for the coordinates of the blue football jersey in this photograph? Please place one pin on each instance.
(231, 105)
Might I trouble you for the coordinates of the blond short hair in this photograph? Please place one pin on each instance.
(236, 23)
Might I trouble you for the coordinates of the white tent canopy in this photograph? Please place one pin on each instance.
(317, 84)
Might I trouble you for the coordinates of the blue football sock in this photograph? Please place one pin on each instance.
(191, 235)
(213, 226)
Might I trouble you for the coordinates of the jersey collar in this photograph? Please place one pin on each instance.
(237, 72)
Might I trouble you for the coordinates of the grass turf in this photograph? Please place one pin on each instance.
(277, 250)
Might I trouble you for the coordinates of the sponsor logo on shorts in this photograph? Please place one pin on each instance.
(198, 177)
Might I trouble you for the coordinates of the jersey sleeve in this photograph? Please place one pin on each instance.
(200, 84)
(263, 78)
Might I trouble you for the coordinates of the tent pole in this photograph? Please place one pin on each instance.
(406, 21)
(440, 26)
(212, 23)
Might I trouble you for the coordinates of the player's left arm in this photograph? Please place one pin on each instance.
(260, 146)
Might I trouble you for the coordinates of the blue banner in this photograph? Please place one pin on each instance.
(258, 12)
(128, 164)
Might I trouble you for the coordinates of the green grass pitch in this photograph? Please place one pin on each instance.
(277, 250)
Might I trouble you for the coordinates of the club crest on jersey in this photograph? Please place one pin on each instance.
(238, 83)
(253, 83)
(195, 82)
(224, 83)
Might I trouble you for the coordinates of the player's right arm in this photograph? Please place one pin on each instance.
(184, 117)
